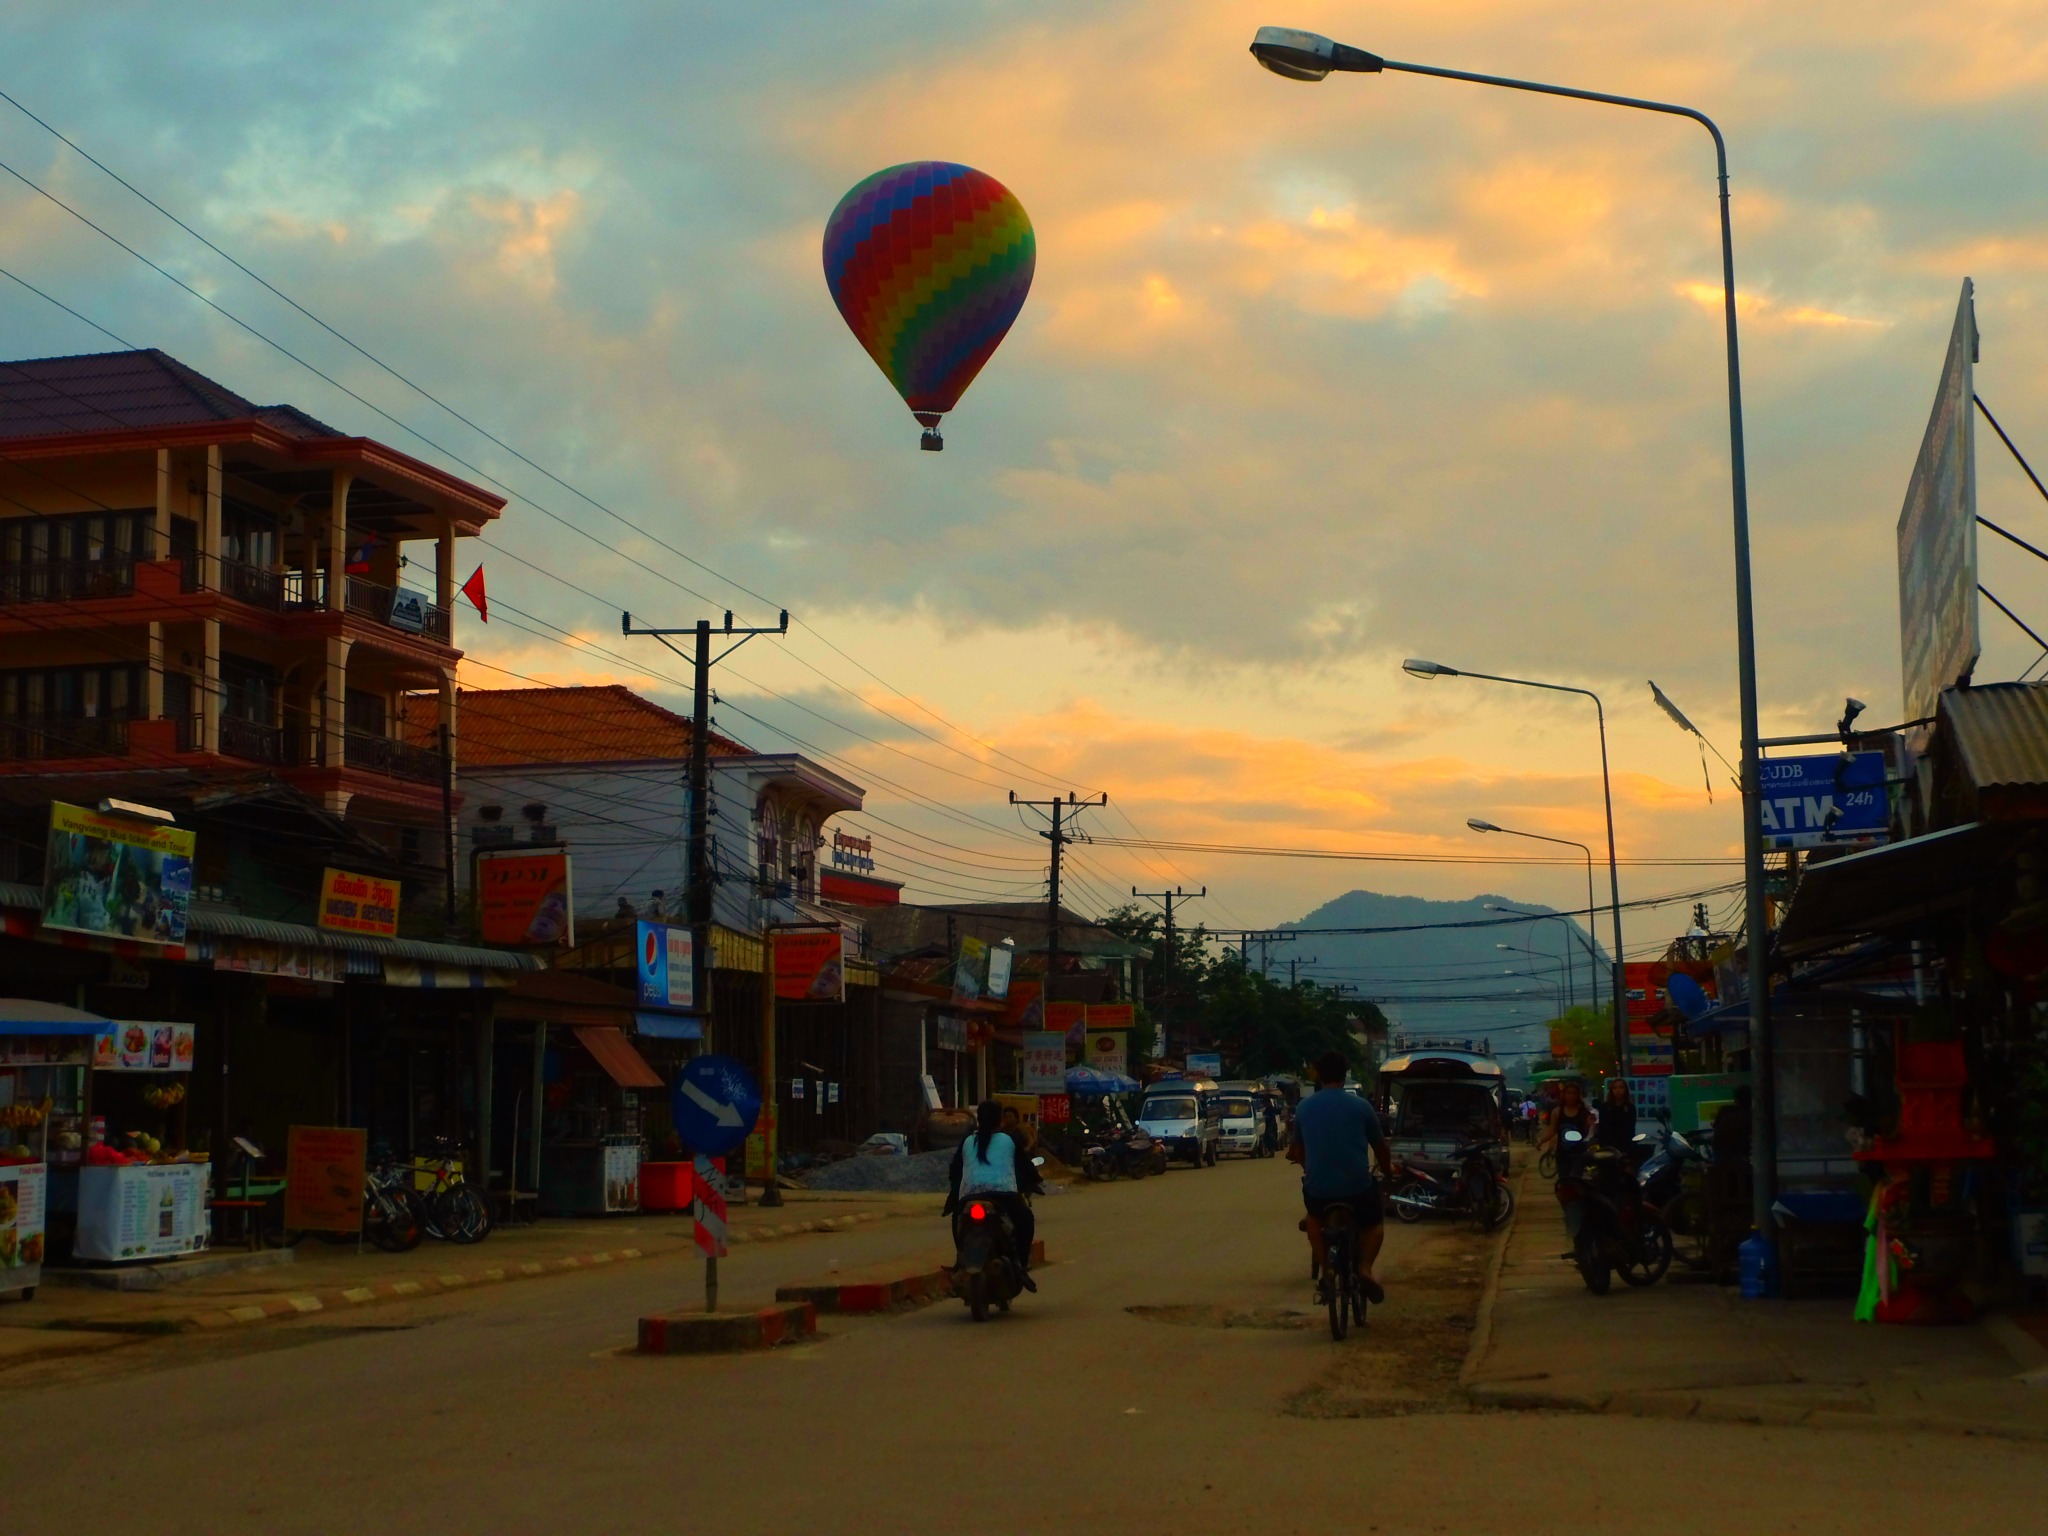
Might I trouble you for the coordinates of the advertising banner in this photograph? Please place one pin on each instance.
(1001, 958)
(351, 903)
(21, 1225)
(1108, 1050)
(970, 971)
(143, 1211)
(116, 877)
(810, 965)
(323, 1177)
(1205, 1064)
(525, 896)
(664, 961)
(1070, 1019)
(1045, 1061)
(949, 1033)
(1021, 1008)
(1937, 532)
(1112, 1015)
(1055, 1109)
(258, 957)
(136, 1045)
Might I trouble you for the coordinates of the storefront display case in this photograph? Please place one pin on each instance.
(44, 1048)
(592, 1143)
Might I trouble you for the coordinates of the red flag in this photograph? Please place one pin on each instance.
(473, 589)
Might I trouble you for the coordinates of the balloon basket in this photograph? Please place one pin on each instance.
(931, 442)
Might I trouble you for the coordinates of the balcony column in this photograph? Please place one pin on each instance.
(209, 550)
(337, 548)
(160, 548)
(165, 480)
(444, 571)
(334, 704)
(450, 833)
(209, 690)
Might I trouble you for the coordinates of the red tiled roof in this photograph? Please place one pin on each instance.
(111, 391)
(495, 727)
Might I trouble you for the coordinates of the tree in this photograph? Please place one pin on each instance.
(1590, 1035)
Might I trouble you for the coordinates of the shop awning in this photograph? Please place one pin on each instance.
(614, 1052)
(668, 1026)
(1843, 899)
(26, 1016)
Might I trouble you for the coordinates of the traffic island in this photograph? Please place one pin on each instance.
(901, 1285)
(721, 1333)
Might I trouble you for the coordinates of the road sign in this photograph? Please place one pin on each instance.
(713, 1104)
(1826, 801)
(709, 1209)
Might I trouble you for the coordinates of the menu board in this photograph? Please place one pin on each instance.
(21, 1225)
(143, 1211)
(622, 1176)
(136, 1045)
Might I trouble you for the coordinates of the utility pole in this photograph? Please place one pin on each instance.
(702, 876)
(1168, 898)
(1059, 838)
(1294, 964)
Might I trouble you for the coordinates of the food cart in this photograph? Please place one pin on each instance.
(590, 1104)
(44, 1052)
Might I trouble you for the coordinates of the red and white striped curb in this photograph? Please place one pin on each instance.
(401, 1290)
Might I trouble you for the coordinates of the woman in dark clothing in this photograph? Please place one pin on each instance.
(1617, 1127)
(1573, 1113)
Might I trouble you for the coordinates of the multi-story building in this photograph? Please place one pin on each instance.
(196, 586)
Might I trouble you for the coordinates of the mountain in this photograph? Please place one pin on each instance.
(1460, 967)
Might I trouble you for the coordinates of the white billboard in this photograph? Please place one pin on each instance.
(1938, 637)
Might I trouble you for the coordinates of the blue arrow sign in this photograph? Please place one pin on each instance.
(714, 1103)
(1820, 802)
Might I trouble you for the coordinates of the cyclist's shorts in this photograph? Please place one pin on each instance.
(1365, 1208)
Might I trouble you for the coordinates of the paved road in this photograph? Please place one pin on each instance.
(1210, 1409)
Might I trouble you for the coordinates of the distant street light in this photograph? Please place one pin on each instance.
(1299, 55)
(1592, 975)
(1564, 964)
(1431, 669)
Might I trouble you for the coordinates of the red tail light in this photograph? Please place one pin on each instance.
(977, 1212)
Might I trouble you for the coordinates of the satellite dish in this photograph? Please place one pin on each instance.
(1687, 995)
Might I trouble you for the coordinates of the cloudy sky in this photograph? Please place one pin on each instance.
(1311, 378)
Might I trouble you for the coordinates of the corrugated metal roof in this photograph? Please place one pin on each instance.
(1999, 732)
(112, 391)
(502, 727)
(209, 919)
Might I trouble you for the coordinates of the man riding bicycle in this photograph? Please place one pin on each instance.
(1338, 1140)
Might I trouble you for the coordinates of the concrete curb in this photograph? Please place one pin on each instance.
(859, 1297)
(718, 1333)
(1489, 1293)
(352, 1297)
(764, 1234)
(1703, 1409)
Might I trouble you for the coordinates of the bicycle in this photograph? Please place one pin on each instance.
(450, 1208)
(1340, 1289)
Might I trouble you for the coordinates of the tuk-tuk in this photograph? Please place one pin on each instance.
(1437, 1101)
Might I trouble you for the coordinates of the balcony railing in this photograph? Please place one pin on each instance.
(251, 739)
(65, 581)
(252, 584)
(32, 741)
(395, 759)
(398, 608)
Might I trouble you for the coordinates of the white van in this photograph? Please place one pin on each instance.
(1240, 1122)
(1178, 1113)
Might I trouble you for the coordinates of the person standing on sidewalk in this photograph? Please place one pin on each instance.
(1617, 1127)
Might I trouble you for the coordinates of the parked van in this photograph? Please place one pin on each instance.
(1240, 1122)
(1179, 1113)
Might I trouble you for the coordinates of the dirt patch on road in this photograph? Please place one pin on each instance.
(1406, 1358)
(1228, 1317)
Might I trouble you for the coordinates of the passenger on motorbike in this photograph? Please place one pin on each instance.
(993, 1165)
(1573, 1113)
(1338, 1141)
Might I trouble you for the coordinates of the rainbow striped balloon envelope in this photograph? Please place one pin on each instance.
(929, 264)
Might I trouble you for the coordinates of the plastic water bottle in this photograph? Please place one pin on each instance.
(1758, 1261)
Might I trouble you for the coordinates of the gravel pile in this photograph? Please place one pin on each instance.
(922, 1173)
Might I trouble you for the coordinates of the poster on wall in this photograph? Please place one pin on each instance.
(142, 1045)
(117, 877)
(259, 957)
(1045, 1061)
(664, 961)
(352, 903)
(21, 1225)
(525, 896)
(1070, 1019)
(1002, 959)
(1205, 1064)
(141, 1212)
(970, 970)
(810, 965)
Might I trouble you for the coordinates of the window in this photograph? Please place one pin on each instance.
(72, 693)
(76, 554)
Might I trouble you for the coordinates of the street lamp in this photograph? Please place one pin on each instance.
(1564, 964)
(1307, 56)
(1592, 976)
(1556, 992)
(1584, 940)
(1433, 669)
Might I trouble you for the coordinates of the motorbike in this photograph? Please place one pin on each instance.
(1475, 1190)
(1619, 1231)
(1123, 1153)
(1673, 1180)
(986, 1271)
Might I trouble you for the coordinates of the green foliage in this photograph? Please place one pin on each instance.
(1263, 1027)
(1591, 1037)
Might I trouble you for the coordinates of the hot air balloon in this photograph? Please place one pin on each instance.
(929, 264)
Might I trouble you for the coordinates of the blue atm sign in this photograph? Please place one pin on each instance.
(1824, 802)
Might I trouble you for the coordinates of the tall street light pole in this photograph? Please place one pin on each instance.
(1592, 972)
(1427, 670)
(1564, 966)
(1306, 56)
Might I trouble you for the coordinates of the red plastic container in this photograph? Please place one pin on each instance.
(667, 1186)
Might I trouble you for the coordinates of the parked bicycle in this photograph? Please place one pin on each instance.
(449, 1207)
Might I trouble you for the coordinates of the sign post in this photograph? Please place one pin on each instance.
(713, 1104)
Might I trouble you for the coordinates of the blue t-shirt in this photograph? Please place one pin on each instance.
(1337, 1130)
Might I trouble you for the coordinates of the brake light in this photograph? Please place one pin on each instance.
(977, 1212)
